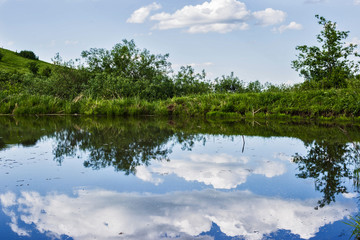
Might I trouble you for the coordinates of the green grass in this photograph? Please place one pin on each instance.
(12, 62)
(339, 105)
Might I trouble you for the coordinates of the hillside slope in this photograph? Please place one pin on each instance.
(13, 62)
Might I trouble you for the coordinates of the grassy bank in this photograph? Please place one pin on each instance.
(11, 62)
(324, 104)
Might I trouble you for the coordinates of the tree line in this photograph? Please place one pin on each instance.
(126, 71)
(122, 72)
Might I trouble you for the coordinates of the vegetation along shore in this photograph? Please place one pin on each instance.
(128, 81)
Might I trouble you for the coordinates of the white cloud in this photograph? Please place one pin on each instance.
(283, 157)
(140, 15)
(222, 171)
(350, 195)
(221, 16)
(357, 2)
(101, 214)
(8, 199)
(214, 16)
(143, 174)
(269, 17)
(290, 26)
(218, 27)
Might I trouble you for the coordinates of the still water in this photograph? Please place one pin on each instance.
(115, 178)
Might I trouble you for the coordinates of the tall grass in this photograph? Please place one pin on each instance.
(327, 104)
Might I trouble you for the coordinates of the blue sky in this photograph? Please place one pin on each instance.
(254, 39)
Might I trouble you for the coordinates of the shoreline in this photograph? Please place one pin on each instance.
(323, 105)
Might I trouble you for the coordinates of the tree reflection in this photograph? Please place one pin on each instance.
(124, 146)
(331, 164)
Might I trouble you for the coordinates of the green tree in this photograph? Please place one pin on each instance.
(255, 87)
(188, 82)
(28, 54)
(229, 84)
(329, 65)
(127, 71)
(1, 55)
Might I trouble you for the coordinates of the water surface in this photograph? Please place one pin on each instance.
(116, 178)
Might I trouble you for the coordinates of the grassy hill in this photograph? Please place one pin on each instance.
(11, 61)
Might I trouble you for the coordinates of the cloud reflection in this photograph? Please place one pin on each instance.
(222, 171)
(101, 214)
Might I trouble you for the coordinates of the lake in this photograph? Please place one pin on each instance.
(66, 177)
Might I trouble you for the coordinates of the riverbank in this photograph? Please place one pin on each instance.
(340, 104)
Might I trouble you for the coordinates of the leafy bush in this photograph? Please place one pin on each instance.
(28, 54)
(187, 82)
(127, 71)
(254, 87)
(230, 84)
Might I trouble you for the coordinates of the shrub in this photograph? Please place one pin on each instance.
(28, 54)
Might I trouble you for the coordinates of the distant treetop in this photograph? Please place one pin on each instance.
(28, 54)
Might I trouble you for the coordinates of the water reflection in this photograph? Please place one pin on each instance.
(332, 165)
(252, 191)
(123, 147)
(101, 214)
(129, 145)
(222, 171)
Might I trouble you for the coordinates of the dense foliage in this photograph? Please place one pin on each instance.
(28, 54)
(125, 71)
(330, 65)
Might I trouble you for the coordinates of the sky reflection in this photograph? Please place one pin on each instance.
(222, 171)
(102, 214)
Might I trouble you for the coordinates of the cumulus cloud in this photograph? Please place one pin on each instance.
(290, 26)
(141, 14)
(269, 17)
(101, 214)
(8, 199)
(221, 171)
(214, 16)
(220, 16)
(283, 157)
(218, 27)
